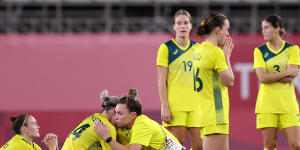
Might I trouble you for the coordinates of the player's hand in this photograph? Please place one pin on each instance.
(166, 115)
(101, 129)
(51, 141)
(292, 70)
(228, 47)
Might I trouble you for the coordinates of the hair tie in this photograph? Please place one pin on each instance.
(202, 23)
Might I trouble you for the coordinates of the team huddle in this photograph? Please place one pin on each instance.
(193, 82)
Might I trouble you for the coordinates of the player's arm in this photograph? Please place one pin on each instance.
(102, 131)
(269, 77)
(289, 79)
(162, 73)
(286, 80)
(117, 146)
(227, 75)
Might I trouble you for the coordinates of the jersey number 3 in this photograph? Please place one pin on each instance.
(277, 68)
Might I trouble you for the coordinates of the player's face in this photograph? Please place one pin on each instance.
(123, 116)
(268, 30)
(32, 128)
(223, 33)
(182, 26)
(112, 116)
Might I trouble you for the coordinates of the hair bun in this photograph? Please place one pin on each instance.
(13, 119)
(104, 95)
(132, 93)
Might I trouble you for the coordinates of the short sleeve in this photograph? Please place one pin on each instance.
(141, 133)
(259, 61)
(294, 55)
(220, 61)
(162, 56)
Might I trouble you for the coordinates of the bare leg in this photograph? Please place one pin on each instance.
(293, 137)
(270, 137)
(195, 138)
(179, 132)
(216, 142)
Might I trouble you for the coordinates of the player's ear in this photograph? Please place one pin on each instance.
(133, 115)
(23, 129)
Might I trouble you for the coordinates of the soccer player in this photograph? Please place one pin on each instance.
(213, 76)
(145, 132)
(26, 128)
(276, 64)
(179, 106)
(84, 135)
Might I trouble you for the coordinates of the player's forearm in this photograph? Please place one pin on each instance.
(117, 146)
(230, 68)
(162, 85)
(286, 80)
(163, 94)
(272, 77)
(227, 76)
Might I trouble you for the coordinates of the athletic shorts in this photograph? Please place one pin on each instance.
(184, 118)
(282, 120)
(214, 129)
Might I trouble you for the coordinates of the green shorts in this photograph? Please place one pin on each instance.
(282, 120)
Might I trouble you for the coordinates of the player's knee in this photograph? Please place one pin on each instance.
(295, 145)
(270, 146)
(182, 141)
(197, 147)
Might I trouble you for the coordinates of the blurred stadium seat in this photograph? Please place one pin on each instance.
(77, 16)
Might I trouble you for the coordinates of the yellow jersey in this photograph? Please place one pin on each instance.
(18, 142)
(179, 61)
(85, 137)
(276, 97)
(211, 93)
(149, 133)
(124, 135)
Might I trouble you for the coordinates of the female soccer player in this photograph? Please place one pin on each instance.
(84, 136)
(27, 129)
(213, 75)
(145, 133)
(276, 63)
(179, 111)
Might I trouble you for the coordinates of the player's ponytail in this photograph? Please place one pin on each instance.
(210, 23)
(18, 122)
(108, 102)
(132, 103)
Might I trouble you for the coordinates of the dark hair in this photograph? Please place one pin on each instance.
(18, 122)
(210, 23)
(108, 101)
(132, 104)
(275, 21)
(182, 12)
